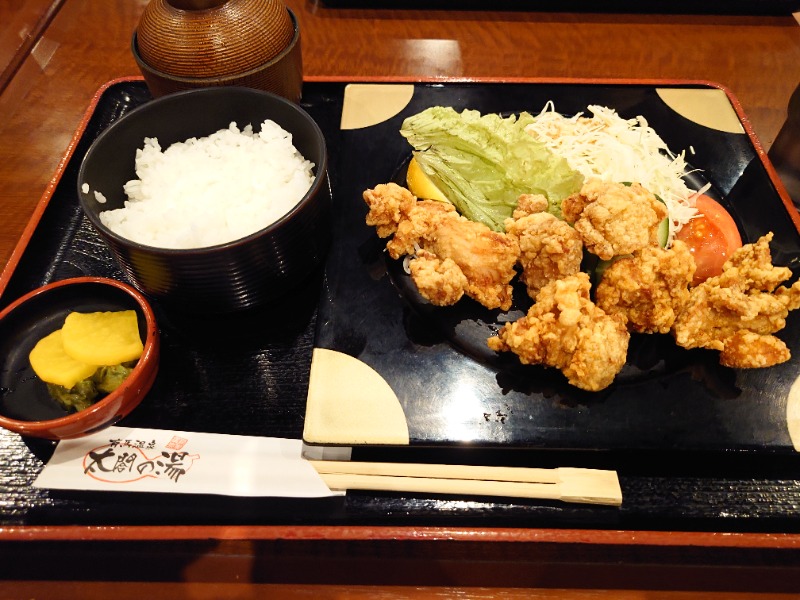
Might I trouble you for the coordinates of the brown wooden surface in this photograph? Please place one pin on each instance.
(87, 44)
(22, 22)
(402, 567)
(214, 591)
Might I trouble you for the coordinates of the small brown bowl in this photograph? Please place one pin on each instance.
(25, 405)
(282, 74)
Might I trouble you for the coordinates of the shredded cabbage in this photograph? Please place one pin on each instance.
(615, 149)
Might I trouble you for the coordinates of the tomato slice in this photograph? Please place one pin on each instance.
(712, 237)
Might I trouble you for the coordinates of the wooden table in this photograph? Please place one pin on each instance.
(87, 44)
(23, 24)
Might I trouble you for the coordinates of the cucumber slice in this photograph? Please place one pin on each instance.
(663, 232)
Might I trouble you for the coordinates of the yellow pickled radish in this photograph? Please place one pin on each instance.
(102, 338)
(53, 365)
(420, 184)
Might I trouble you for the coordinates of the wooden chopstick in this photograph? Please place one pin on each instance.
(588, 486)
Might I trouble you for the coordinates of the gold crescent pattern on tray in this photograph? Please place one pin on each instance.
(709, 107)
(793, 414)
(367, 104)
(350, 403)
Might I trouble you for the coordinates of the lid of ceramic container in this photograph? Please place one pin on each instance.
(211, 38)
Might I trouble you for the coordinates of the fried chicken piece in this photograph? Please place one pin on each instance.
(737, 311)
(442, 282)
(550, 248)
(485, 257)
(529, 204)
(748, 350)
(565, 330)
(649, 288)
(613, 218)
(388, 205)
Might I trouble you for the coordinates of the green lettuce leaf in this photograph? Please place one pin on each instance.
(482, 163)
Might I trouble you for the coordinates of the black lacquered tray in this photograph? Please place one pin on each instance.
(454, 390)
(249, 375)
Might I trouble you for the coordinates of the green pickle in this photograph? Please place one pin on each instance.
(107, 379)
(79, 397)
(86, 392)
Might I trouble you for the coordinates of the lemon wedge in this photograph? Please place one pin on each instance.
(421, 185)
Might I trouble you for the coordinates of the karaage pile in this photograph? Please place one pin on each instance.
(642, 287)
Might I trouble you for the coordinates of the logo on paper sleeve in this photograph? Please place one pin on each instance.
(126, 461)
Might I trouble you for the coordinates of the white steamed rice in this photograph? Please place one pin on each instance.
(212, 190)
